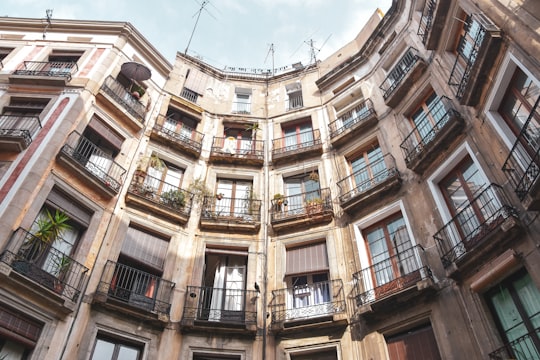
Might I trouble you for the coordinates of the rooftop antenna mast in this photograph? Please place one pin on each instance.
(198, 13)
(313, 51)
(48, 12)
(271, 51)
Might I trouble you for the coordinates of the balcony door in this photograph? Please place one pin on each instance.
(238, 141)
(368, 169)
(224, 280)
(298, 136)
(300, 189)
(427, 117)
(180, 125)
(236, 194)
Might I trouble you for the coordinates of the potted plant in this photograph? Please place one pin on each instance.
(175, 198)
(279, 201)
(61, 263)
(144, 163)
(314, 205)
(48, 228)
(220, 196)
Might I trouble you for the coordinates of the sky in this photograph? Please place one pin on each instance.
(228, 33)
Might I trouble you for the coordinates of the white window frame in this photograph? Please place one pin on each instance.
(313, 349)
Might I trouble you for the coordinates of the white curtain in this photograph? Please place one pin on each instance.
(217, 293)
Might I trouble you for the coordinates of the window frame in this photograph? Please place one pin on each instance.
(118, 342)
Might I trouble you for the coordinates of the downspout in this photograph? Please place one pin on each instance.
(266, 183)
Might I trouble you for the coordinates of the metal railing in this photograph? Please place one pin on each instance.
(94, 160)
(470, 44)
(417, 140)
(394, 274)
(522, 166)
(189, 95)
(310, 301)
(309, 203)
(367, 178)
(426, 21)
(294, 102)
(399, 72)
(48, 68)
(41, 262)
(468, 228)
(136, 288)
(240, 148)
(220, 305)
(23, 126)
(180, 132)
(161, 193)
(352, 118)
(523, 348)
(123, 97)
(219, 208)
(304, 141)
(241, 108)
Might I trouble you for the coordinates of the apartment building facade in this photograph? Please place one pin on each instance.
(379, 204)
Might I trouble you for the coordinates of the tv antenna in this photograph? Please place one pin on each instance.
(48, 12)
(198, 14)
(270, 51)
(313, 51)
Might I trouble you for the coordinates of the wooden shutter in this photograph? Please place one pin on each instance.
(417, 344)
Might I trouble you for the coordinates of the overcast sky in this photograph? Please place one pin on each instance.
(229, 33)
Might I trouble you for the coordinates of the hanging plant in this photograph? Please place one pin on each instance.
(314, 176)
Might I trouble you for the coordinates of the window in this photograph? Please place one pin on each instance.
(368, 168)
(19, 334)
(224, 286)
(414, 344)
(63, 61)
(298, 135)
(107, 348)
(426, 117)
(194, 86)
(516, 107)
(307, 281)
(216, 357)
(163, 177)
(233, 197)
(469, 38)
(138, 272)
(242, 101)
(515, 305)
(319, 354)
(22, 116)
(4, 52)
(294, 96)
(179, 123)
(238, 140)
(300, 189)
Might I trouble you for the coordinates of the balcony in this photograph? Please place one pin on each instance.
(55, 73)
(94, 165)
(241, 108)
(524, 347)
(369, 184)
(432, 22)
(487, 223)
(311, 306)
(137, 293)
(152, 195)
(481, 48)
(189, 95)
(122, 98)
(231, 214)
(296, 147)
(392, 283)
(30, 263)
(231, 150)
(302, 210)
(220, 310)
(402, 77)
(354, 122)
(428, 142)
(178, 136)
(522, 167)
(17, 131)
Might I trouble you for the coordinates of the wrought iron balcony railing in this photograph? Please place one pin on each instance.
(418, 139)
(43, 263)
(63, 69)
(238, 148)
(189, 95)
(136, 288)
(394, 274)
(94, 160)
(296, 143)
(522, 167)
(307, 204)
(311, 301)
(161, 193)
(426, 21)
(352, 118)
(220, 306)
(294, 102)
(524, 347)
(468, 228)
(122, 96)
(399, 72)
(19, 126)
(367, 178)
(241, 108)
(179, 132)
(220, 208)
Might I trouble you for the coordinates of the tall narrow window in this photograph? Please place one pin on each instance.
(428, 116)
(368, 168)
(297, 136)
(19, 334)
(179, 123)
(300, 189)
(107, 348)
(515, 304)
(242, 101)
(233, 197)
(163, 177)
